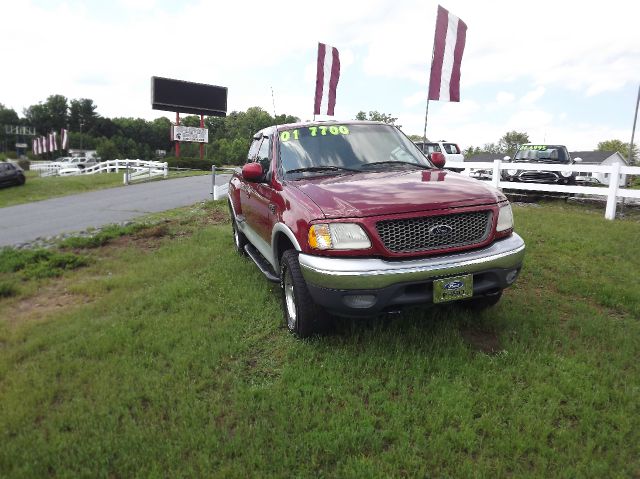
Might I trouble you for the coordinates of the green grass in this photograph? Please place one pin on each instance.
(39, 188)
(174, 362)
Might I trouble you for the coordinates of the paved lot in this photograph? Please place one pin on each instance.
(24, 223)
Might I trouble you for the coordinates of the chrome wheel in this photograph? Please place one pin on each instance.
(236, 235)
(290, 300)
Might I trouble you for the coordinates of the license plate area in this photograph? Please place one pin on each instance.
(453, 289)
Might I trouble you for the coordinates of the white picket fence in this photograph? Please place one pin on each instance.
(613, 192)
(134, 170)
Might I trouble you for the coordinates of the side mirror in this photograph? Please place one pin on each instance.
(437, 159)
(506, 158)
(252, 172)
(578, 160)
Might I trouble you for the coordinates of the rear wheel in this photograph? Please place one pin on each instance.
(302, 315)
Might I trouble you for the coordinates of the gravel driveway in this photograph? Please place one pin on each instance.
(24, 223)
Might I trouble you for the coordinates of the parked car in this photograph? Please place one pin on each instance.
(352, 219)
(11, 174)
(79, 162)
(451, 151)
(535, 153)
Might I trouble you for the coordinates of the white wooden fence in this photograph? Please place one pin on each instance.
(135, 170)
(612, 192)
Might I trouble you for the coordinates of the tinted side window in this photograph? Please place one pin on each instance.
(253, 150)
(263, 154)
(451, 148)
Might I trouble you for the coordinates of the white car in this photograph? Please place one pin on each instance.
(452, 153)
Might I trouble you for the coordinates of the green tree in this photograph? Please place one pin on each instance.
(377, 116)
(415, 137)
(48, 116)
(82, 110)
(511, 141)
(8, 116)
(619, 146)
(107, 150)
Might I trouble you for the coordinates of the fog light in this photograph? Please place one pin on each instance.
(360, 300)
(511, 276)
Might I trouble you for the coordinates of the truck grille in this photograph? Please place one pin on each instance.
(435, 232)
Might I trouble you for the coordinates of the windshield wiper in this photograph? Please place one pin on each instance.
(321, 168)
(392, 162)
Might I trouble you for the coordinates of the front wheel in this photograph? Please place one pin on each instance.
(483, 302)
(239, 239)
(302, 315)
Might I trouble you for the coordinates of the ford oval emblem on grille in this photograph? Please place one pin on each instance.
(453, 285)
(440, 230)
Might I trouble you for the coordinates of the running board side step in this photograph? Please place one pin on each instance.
(262, 264)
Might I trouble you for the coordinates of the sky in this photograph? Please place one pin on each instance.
(562, 71)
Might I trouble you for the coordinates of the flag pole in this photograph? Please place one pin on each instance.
(426, 114)
(633, 131)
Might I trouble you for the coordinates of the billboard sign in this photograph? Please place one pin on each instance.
(189, 133)
(188, 97)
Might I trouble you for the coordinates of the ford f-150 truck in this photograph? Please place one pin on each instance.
(351, 218)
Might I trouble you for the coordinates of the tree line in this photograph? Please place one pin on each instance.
(229, 137)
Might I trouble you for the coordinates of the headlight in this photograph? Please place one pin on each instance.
(505, 218)
(566, 174)
(512, 172)
(338, 236)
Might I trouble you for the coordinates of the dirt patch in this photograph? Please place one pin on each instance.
(217, 217)
(46, 302)
(484, 341)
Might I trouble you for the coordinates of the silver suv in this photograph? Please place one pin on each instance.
(451, 152)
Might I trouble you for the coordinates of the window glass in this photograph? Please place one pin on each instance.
(432, 147)
(451, 148)
(253, 150)
(346, 146)
(263, 154)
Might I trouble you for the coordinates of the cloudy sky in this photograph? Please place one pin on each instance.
(559, 70)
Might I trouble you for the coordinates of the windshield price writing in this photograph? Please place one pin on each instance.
(314, 131)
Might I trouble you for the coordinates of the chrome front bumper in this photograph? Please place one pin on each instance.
(372, 273)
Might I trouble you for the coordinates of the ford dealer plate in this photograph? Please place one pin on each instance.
(452, 289)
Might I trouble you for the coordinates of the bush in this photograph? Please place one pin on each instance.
(24, 164)
(189, 163)
(102, 237)
(8, 289)
(39, 263)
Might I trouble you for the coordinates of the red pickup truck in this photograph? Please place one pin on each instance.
(352, 219)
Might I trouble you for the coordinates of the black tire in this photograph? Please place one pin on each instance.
(21, 180)
(483, 302)
(302, 316)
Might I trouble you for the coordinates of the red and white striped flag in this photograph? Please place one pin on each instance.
(34, 149)
(64, 139)
(54, 136)
(43, 144)
(327, 76)
(448, 46)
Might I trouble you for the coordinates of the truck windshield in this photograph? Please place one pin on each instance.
(542, 153)
(339, 148)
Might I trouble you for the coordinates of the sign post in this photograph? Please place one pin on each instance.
(188, 97)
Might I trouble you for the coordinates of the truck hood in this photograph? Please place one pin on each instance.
(393, 192)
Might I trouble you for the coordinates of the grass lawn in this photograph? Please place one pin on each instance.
(39, 188)
(166, 355)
